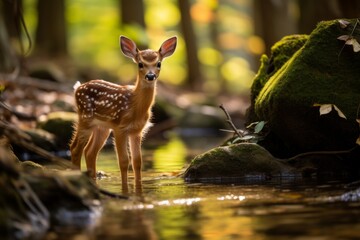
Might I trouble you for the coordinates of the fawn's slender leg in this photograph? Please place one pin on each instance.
(91, 151)
(79, 141)
(135, 148)
(121, 142)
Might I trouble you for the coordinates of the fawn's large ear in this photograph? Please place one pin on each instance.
(128, 47)
(168, 47)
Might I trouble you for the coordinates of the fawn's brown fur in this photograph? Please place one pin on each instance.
(104, 107)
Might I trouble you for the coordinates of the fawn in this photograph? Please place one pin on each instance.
(103, 107)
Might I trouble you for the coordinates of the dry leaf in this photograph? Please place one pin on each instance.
(340, 113)
(344, 37)
(352, 41)
(358, 141)
(356, 46)
(343, 23)
(325, 109)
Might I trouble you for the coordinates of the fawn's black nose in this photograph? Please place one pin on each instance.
(150, 76)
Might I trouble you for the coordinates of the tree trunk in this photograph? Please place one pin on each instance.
(8, 59)
(51, 37)
(214, 33)
(273, 20)
(12, 17)
(194, 74)
(132, 13)
(312, 12)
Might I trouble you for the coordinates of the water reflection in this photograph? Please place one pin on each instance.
(172, 209)
(170, 157)
(169, 208)
(231, 197)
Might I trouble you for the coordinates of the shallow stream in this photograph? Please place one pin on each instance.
(169, 208)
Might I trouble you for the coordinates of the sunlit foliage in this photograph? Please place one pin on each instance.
(224, 35)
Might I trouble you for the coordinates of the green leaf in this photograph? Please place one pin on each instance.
(259, 127)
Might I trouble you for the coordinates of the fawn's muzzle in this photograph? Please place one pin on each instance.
(150, 76)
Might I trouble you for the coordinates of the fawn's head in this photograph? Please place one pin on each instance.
(149, 61)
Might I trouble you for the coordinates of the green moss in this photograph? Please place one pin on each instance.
(237, 160)
(281, 52)
(315, 74)
(261, 77)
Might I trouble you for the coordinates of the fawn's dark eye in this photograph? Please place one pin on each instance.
(158, 65)
(141, 65)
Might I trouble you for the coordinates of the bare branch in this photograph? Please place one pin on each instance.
(230, 122)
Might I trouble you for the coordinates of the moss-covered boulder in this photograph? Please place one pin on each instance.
(235, 161)
(61, 125)
(281, 52)
(322, 71)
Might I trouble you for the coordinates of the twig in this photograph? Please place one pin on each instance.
(321, 153)
(230, 122)
(27, 34)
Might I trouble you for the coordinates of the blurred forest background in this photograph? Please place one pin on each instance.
(220, 42)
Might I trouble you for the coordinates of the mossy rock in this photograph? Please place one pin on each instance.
(322, 71)
(43, 139)
(29, 166)
(61, 125)
(281, 52)
(235, 161)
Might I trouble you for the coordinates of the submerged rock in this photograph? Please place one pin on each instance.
(235, 161)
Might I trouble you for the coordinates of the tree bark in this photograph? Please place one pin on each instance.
(12, 17)
(312, 12)
(51, 36)
(194, 74)
(8, 59)
(132, 13)
(273, 20)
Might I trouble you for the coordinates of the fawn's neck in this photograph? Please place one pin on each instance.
(144, 95)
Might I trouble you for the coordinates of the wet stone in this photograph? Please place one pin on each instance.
(235, 161)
